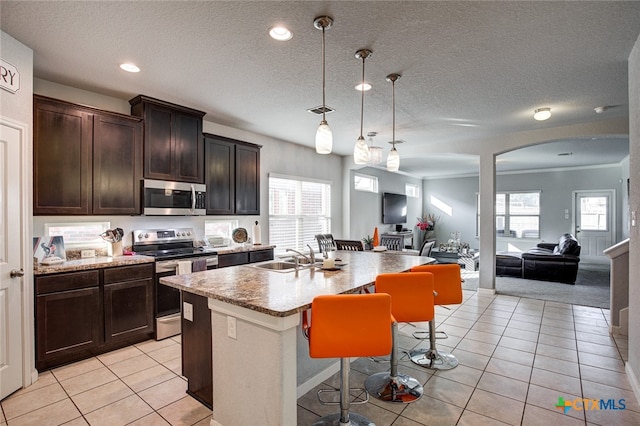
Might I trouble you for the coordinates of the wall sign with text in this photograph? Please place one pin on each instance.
(9, 77)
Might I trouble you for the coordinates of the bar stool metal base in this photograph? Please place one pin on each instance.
(401, 389)
(433, 359)
(334, 420)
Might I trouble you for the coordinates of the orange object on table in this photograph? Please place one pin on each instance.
(376, 238)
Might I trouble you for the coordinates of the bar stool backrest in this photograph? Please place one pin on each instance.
(411, 295)
(325, 243)
(447, 282)
(350, 325)
(392, 242)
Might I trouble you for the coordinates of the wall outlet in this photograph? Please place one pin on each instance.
(187, 311)
(87, 253)
(231, 327)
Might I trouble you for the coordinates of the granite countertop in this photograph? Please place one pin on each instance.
(282, 294)
(92, 263)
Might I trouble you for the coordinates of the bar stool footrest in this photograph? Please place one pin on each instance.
(359, 390)
(433, 359)
(401, 389)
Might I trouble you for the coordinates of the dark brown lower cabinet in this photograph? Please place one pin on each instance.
(196, 349)
(128, 302)
(81, 314)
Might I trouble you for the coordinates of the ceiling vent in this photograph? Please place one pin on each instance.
(319, 110)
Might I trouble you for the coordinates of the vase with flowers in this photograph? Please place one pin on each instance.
(425, 229)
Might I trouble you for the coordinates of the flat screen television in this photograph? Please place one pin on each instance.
(394, 208)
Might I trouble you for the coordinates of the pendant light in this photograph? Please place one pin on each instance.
(393, 160)
(361, 149)
(324, 137)
(375, 152)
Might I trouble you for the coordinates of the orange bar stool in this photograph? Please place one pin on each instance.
(411, 300)
(343, 326)
(447, 286)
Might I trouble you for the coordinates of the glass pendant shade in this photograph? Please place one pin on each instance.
(361, 151)
(324, 138)
(393, 160)
(375, 155)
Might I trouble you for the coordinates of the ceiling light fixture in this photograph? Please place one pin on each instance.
(375, 152)
(363, 86)
(324, 137)
(280, 33)
(393, 159)
(361, 149)
(542, 114)
(129, 68)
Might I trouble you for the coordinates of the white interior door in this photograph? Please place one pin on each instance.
(594, 221)
(11, 262)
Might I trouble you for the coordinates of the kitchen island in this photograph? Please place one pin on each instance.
(260, 358)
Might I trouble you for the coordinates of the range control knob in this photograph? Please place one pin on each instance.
(140, 236)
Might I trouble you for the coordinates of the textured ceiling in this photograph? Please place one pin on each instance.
(470, 70)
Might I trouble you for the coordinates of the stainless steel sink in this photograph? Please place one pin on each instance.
(275, 265)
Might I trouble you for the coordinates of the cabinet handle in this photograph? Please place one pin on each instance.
(15, 273)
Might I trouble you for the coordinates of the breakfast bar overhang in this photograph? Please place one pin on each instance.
(260, 361)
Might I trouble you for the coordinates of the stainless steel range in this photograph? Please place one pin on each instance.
(175, 252)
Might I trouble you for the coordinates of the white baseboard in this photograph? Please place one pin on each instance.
(633, 380)
(486, 291)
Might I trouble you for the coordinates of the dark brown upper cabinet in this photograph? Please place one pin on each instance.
(85, 161)
(232, 176)
(173, 141)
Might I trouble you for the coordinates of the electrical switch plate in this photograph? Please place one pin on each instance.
(231, 327)
(87, 253)
(187, 311)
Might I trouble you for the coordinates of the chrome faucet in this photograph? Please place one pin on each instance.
(312, 255)
(296, 257)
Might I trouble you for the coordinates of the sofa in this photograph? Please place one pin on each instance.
(546, 262)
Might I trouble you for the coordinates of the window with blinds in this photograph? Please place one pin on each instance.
(299, 209)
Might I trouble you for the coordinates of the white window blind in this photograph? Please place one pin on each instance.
(298, 210)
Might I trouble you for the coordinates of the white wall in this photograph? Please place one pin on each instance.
(275, 157)
(366, 207)
(633, 365)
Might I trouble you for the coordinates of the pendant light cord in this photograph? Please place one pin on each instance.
(324, 107)
(362, 100)
(393, 96)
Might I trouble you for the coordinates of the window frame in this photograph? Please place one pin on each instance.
(299, 218)
(374, 186)
(507, 215)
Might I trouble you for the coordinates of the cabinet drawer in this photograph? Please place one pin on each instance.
(233, 259)
(67, 281)
(128, 273)
(260, 255)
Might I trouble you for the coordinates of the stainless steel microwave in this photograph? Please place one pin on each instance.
(166, 198)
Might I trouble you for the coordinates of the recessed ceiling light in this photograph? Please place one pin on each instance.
(564, 154)
(363, 87)
(280, 33)
(129, 67)
(542, 114)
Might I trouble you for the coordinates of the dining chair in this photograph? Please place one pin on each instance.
(426, 248)
(392, 242)
(326, 243)
(351, 245)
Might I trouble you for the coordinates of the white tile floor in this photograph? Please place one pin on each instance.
(517, 356)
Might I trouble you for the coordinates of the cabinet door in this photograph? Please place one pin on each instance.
(189, 148)
(260, 255)
(158, 145)
(128, 309)
(62, 140)
(247, 180)
(220, 172)
(117, 165)
(67, 323)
